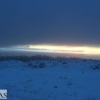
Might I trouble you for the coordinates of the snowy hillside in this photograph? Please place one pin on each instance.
(51, 79)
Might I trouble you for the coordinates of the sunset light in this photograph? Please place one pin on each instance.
(90, 50)
(68, 49)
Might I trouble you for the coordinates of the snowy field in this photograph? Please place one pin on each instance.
(51, 79)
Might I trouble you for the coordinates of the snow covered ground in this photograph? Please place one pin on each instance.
(51, 79)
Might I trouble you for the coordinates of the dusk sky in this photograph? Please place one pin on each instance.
(51, 25)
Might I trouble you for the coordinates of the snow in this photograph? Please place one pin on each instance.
(51, 79)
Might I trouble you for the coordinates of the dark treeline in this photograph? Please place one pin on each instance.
(36, 57)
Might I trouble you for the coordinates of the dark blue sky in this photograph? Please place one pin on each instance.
(61, 22)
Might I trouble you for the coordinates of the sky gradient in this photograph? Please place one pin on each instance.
(73, 23)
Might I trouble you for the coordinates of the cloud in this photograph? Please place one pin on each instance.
(49, 22)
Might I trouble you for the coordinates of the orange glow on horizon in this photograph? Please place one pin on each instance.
(68, 49)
